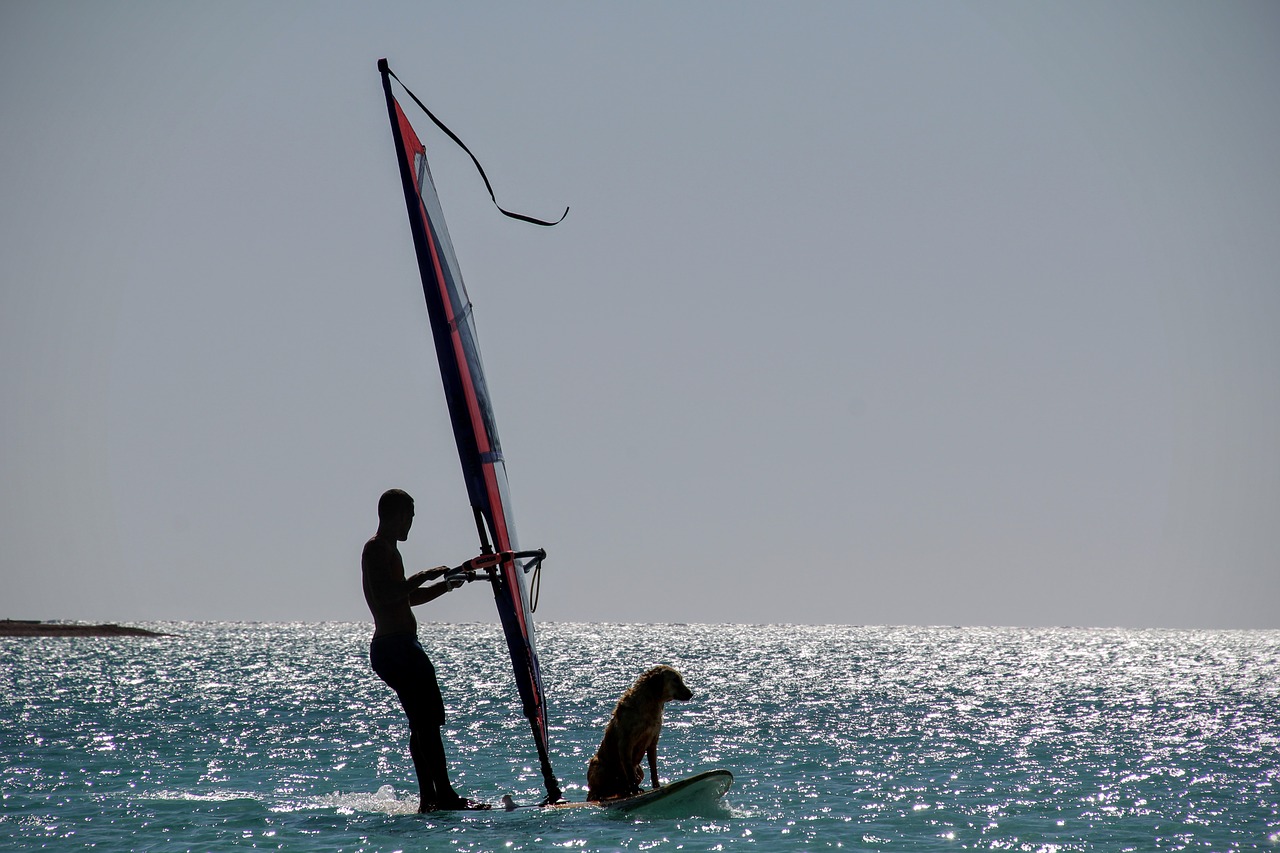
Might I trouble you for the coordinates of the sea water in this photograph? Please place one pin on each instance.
(279, 737)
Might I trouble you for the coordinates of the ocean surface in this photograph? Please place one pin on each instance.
(279, 737)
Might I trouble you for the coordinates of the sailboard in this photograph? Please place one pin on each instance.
(475, 430)
(696, 794)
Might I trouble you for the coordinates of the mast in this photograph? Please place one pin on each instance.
(471, 414)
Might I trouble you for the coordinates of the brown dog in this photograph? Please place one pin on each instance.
(615, 770)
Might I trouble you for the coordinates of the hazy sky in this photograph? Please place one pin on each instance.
(869, 313)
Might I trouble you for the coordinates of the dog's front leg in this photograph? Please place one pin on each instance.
(653, 765)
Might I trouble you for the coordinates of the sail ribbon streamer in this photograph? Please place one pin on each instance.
(382, 65)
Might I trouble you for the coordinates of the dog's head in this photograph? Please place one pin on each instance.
(667, 682)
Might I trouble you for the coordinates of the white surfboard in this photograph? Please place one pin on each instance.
(683, 796)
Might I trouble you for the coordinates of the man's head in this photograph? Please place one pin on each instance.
(395, 513)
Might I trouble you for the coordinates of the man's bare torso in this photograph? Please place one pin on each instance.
(385, 589)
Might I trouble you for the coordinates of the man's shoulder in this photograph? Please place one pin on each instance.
(380, 550)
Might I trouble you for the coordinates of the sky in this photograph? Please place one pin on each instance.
(863, 313)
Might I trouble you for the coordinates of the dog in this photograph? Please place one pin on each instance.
(632, 733)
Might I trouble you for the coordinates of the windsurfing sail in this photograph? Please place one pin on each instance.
(471, 413)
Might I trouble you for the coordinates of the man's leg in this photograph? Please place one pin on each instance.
(427, 749)
(420, 695)
(422, 766)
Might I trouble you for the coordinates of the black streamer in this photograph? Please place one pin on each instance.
(387, 69)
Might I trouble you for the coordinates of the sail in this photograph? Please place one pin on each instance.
(471, 412)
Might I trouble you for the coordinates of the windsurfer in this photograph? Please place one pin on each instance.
(397, 656)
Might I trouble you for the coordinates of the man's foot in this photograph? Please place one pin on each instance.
(453, 804)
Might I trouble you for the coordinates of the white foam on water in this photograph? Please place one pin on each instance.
(383, 800)
(207, 797)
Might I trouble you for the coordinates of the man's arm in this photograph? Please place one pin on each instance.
(421, 595)
(385, 585)
(425, 575)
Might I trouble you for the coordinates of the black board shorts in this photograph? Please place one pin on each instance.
(402, 663)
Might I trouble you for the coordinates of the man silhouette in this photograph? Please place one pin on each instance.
(397, 656)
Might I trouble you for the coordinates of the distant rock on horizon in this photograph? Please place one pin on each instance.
(36, 628)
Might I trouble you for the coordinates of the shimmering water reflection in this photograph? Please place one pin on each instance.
(279, 737)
